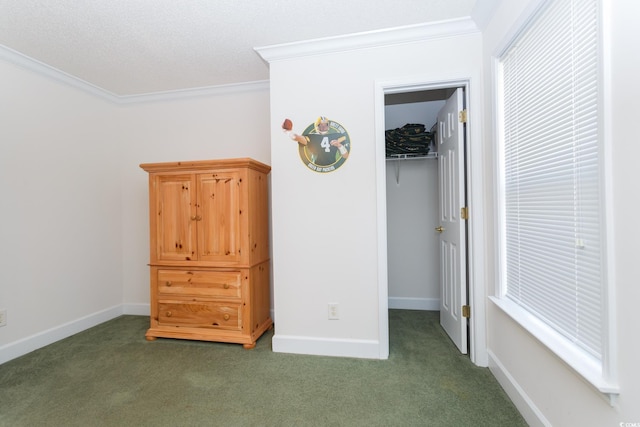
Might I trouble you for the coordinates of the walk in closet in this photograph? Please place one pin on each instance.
(412, 205)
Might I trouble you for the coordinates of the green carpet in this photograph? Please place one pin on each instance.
(111, 376)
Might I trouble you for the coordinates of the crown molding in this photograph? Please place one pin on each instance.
(38, 67)
(369, 39)
(345, 43)
(172, 95)
(45, 70)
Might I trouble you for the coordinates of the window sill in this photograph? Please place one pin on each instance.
(587, 367)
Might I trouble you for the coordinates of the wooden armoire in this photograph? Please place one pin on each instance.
(209, 250)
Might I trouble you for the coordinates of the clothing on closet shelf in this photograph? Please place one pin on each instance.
(410, 139)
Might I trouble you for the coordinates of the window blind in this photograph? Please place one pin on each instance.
(551, 172)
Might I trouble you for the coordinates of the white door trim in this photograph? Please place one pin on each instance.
(475, 185)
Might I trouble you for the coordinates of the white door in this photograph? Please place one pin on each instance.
(452, 229)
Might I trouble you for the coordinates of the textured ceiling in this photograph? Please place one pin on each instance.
(130, 47)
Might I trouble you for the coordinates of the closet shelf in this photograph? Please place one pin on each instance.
(431, 155)
(401, 157)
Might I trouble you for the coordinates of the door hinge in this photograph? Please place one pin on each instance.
(466, 311)
(462, 116)
(464, 213)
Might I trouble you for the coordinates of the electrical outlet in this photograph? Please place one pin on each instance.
(334, 314)
(3, 317)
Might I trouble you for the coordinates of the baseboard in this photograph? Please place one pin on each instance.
(518, 396)
(27, 345)
(402, 303)
(362, 349)
(136, 309)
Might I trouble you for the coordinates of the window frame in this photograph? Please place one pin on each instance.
(601, 374)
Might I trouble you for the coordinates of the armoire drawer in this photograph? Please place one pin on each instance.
(200, 314)
(224, 284)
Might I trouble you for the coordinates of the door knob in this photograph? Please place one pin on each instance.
(439, 229)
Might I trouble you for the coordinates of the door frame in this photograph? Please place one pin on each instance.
(475, 202)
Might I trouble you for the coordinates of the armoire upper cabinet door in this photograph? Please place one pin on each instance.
(175, 219)
(219, 205)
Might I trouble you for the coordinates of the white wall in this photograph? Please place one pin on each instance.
(398, 115)
(325, 230)
(60, 233)
(226, 125)
(412, 243)
(545, 389)
(74, 227)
